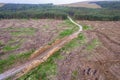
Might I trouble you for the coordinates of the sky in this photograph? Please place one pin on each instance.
(44, 1)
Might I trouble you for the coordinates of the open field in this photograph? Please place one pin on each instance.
(20, 38)
(93, 55)
(83, 4)
(99, 59)
(42, 42)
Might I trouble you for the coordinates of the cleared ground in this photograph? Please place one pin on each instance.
(93, 55)
(82, 4)
(98, 58)
(20, 38)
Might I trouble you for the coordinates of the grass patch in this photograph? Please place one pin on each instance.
(9, 62)
(1, 43)
(46, 26)
(10, 48)
(71, 29)
(81, 37)
(72, 44)
(23, 31)
(12, 44)
(45, 70)
(93, 44)
(75, 42)
(70, 25)
(74, 74)
(87, 27)
(66, 32)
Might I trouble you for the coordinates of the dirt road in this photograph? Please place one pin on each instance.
(23, 69)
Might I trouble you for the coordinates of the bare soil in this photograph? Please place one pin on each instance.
(101, 63)
(54, 47)
(43, 31)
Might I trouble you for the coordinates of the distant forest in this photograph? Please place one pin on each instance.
(110, 11)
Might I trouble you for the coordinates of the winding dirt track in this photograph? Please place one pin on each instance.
(23, 69)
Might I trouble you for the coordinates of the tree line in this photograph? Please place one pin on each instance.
(42, 11)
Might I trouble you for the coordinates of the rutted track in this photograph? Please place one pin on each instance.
(23, 69)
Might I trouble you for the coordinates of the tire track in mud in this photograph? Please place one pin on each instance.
(113, 64)
(107, 41)
(111, 40)
(96, 68)
(39, 58)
